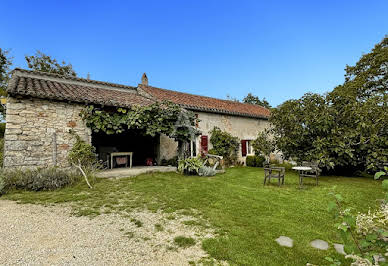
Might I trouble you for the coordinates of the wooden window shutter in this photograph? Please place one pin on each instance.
(244, 148)
(204, 145)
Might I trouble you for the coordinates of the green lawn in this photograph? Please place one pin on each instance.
(247, 215)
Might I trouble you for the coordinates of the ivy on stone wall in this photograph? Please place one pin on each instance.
(158, 118)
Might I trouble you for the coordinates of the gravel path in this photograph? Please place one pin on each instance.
(34, 234)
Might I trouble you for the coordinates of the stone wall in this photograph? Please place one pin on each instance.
(168, 148)
(245, 128)
(37, 132)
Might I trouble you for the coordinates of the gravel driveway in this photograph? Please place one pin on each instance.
(34, 234)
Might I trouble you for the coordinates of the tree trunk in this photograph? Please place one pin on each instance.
(83, 173)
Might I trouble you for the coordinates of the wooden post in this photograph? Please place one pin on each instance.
(54, 148)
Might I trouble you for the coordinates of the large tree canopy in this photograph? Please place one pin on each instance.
(5, 63)
(346, 128)
(45, 63)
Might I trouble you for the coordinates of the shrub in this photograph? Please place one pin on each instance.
(206, 171)
(212, 151)
(35, 179)
(255, 161)
(251, 161)
(190, 165)
(224, 144)
(82, 153)
(82, 156)
(259, 161)
(364, 235)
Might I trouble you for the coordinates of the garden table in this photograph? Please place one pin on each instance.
(301, 169)
(113, 154)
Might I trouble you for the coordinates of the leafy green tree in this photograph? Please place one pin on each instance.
(45, 63)
(224, 144)
(301, 129)
(360, 108)
(83, 157)
(347, 128)
(5, 63)
(263, 144)
(252, 99)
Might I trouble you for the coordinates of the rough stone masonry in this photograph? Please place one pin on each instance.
(37, 132)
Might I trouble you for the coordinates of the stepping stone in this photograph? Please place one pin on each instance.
(339, 248)
(319, 244)
(285, 241)
(378, 258)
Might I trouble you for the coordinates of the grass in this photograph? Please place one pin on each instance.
(184, 242)
(137, 222)
(158, 227)
(247, 216)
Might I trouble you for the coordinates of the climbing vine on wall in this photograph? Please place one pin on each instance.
(158, 118)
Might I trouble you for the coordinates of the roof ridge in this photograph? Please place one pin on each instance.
(89, 81)
(228, 101)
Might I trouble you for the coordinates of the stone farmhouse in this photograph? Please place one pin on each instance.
(42, 108)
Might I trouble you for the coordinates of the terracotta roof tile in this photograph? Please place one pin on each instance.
(203, 103)
(55, 87)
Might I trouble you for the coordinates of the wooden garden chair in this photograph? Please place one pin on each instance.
(274, 172)
(315, 172)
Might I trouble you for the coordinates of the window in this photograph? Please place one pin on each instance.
(249, 147)
(193, 148)
(246, 147)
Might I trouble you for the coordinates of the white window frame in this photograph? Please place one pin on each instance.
(248, 143)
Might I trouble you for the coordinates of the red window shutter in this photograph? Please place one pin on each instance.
(204, 145)
(244, 148)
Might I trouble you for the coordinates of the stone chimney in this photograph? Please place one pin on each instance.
(144, 79)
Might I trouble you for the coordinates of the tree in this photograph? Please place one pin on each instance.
(252, 99)
(263, 144)
(5, 63)
(83, 157)
(302, 127)
(346, 129)
(45, 63)
(224, 144)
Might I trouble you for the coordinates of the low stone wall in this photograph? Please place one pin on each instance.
(37, 132)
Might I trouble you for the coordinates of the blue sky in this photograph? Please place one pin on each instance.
(274, 49)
